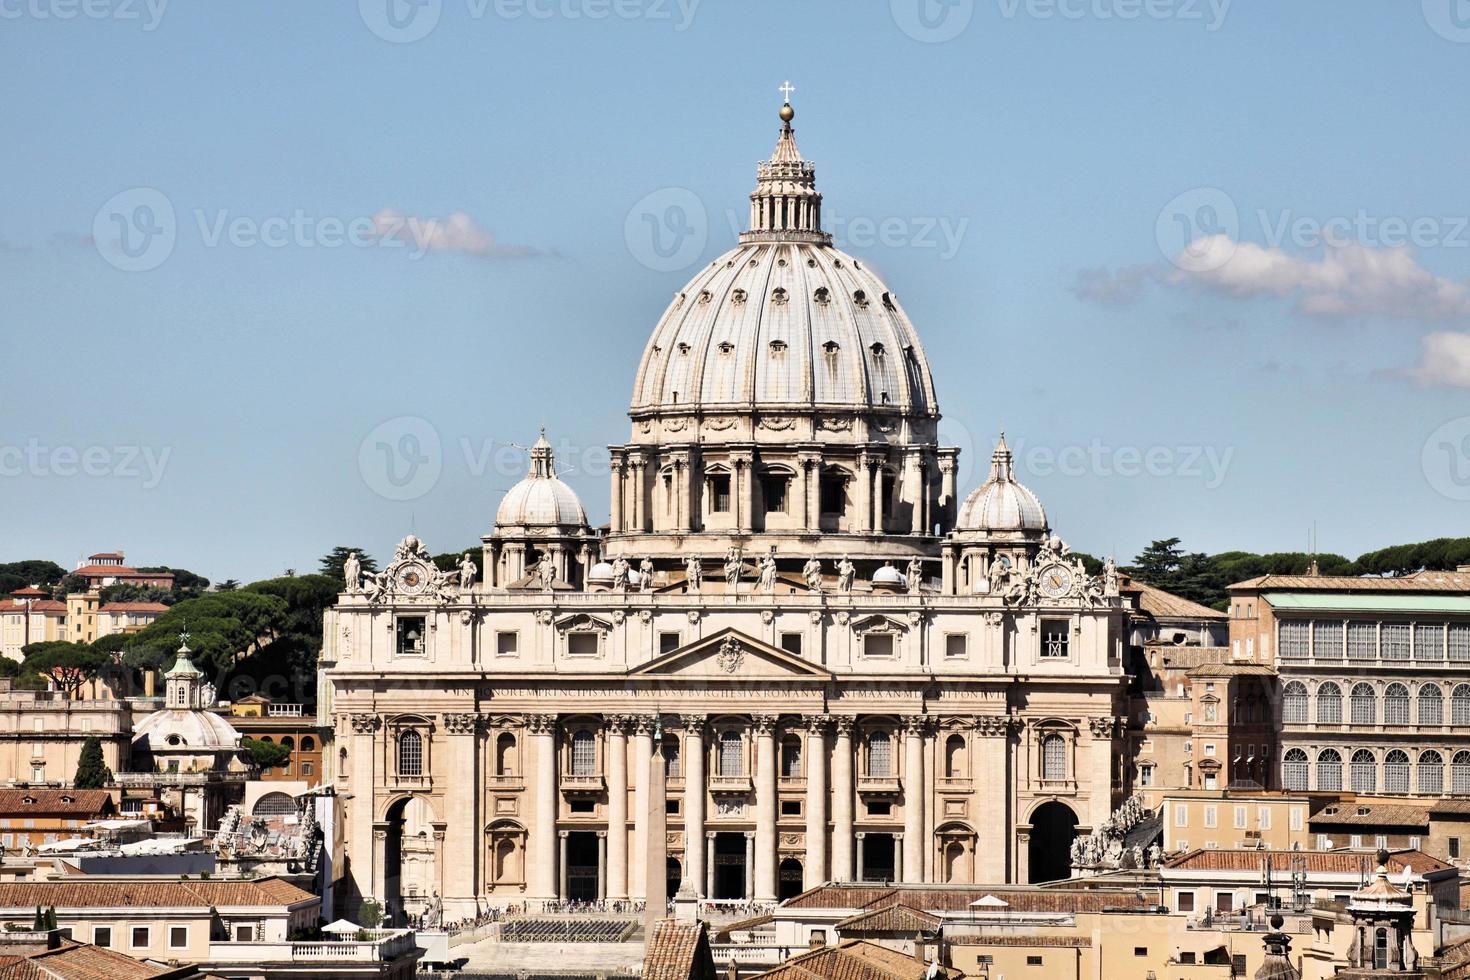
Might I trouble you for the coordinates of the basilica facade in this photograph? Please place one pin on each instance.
(849, 671)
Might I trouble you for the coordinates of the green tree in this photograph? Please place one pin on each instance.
(370, 914)
(39, 922)
(92, 770)
(66, 665)
(265, 755)
(51, 917)
(333, 561)
(32, 571)
(1158, 562)
(223, 627)
(187, 584)
(449, 561)
(68, 585)
(136, 593)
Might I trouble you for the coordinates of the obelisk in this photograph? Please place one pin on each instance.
(656, 845)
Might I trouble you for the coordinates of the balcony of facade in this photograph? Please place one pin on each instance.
(726, 784)
(581, 784)
(874, 784)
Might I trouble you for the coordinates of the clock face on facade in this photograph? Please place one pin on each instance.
(1056, 580)
(412, 578)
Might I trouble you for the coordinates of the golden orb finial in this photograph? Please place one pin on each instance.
(787, 113)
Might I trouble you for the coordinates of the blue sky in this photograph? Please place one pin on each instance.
(370, 227)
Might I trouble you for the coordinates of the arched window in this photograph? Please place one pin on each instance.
(584, 753)
(954, 756)
(1329, 771)
(1460, 773)
(1294, 770)
(732, 762)
(288, 742)
(1396, 772)
(308, 743)
(1294, 703)
(1431, 773)
(672, 763)
(1053, 757)
(1380, 949)
(1396, 705)
(1329, 704)
(1364, 772)
(1431, 705)
(1364, 704)
(410, 754)
(1460, 705)
(505, 754)
(791, 757)
(880, 755)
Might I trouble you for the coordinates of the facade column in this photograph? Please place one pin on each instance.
(617, 807)
(366, 862)
(380, 864)
(563, 892)
(601, 865)
(842, 803)
(543, 828)
(709, 864)
(914, 480)
(899, 846)
(929, 804)
(860, 837)
(694, 798)
(461, 877)
(815, 866)
(946, 491)
(749, 861)
(642, 758)
(913, 800)
(765, 808)
(865, 492)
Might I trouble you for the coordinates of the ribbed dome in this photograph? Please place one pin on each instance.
(541, 498)
(1000, 503)
(792, 325)
(784, 320)
(175, 730)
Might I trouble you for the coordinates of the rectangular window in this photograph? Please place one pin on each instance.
(1140, 950)
(671, 807)
(1146, 776)
(410, 636)
(878, 645)
(790, 808)
(775, 486)
(1459, 641)
(1395, 638)
(719, 492)
(833, 494)
(102, 936)
(1415, 843)
(1056, 637)
(1181, 814)
(308, 769)
(1263, 818)
(1033, 960)
(1362, 641)
(1429, 641)
(791, 643)
(1184, 902)
(879, 808)
(140, 938)
(668, 643)
(1240, 818)
(1327, 639)
(1454, 844)
(507, 643)
(1212, 818)
(1224, 902)
(956, 646)
(582, 644)
(178, 937)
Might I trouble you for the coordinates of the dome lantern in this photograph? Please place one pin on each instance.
(785, 205)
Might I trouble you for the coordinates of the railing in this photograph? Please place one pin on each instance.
(729, 784)
(755, 954)
(581, 784)
(285, 710)
(143, 780)
(381, 945)
(878, 784)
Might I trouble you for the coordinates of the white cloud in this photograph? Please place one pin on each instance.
(1109, 288)
(1444, 359)
(456, 233)
(1347, 281)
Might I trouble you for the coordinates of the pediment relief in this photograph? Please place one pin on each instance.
(879, 624)
(582, 621)
(730, 655)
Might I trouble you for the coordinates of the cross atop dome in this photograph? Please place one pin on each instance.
(785, 205)
(786, 89)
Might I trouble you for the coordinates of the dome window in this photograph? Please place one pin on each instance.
(822, 296)
(888, 301)
(752, 263)
(726, 347)
(860, 298)
(781, 263)
(704, 297)
(878, 351)
(811, 263)
(836, 263)
(778, 296)
(831, 348)
(778, 347)
(684, 349)
(738, 297)
(657, 350)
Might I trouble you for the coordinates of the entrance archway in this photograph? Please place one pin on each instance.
(1053, 828)
(582, 878)
(410, 871)
(788, 879)
(673, 876)
(730, 866)
(877, 856)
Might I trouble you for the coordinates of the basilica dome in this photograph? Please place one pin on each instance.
(1001, 503)
(784, 321)
(541, 498)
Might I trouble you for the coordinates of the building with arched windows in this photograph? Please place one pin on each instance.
(851, 669)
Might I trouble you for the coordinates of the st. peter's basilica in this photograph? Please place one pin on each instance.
(851, 672)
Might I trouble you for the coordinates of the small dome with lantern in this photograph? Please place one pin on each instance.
(541, 499)
(1002, 503)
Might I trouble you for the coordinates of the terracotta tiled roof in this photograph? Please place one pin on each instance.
(678, 951)
(945, 898)
(1326, 862)
(1062, 942)
(890, 918)
(81, 961)
(1418, 582)
(75, 894)
(1166, 605)
(854, 960)
(29, 590)
(155, 607)
(1230, 670)
(75, 802)
(1374, 814)
(39, 605)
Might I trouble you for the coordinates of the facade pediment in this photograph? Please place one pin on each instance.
(730, 655)
(879, 624)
